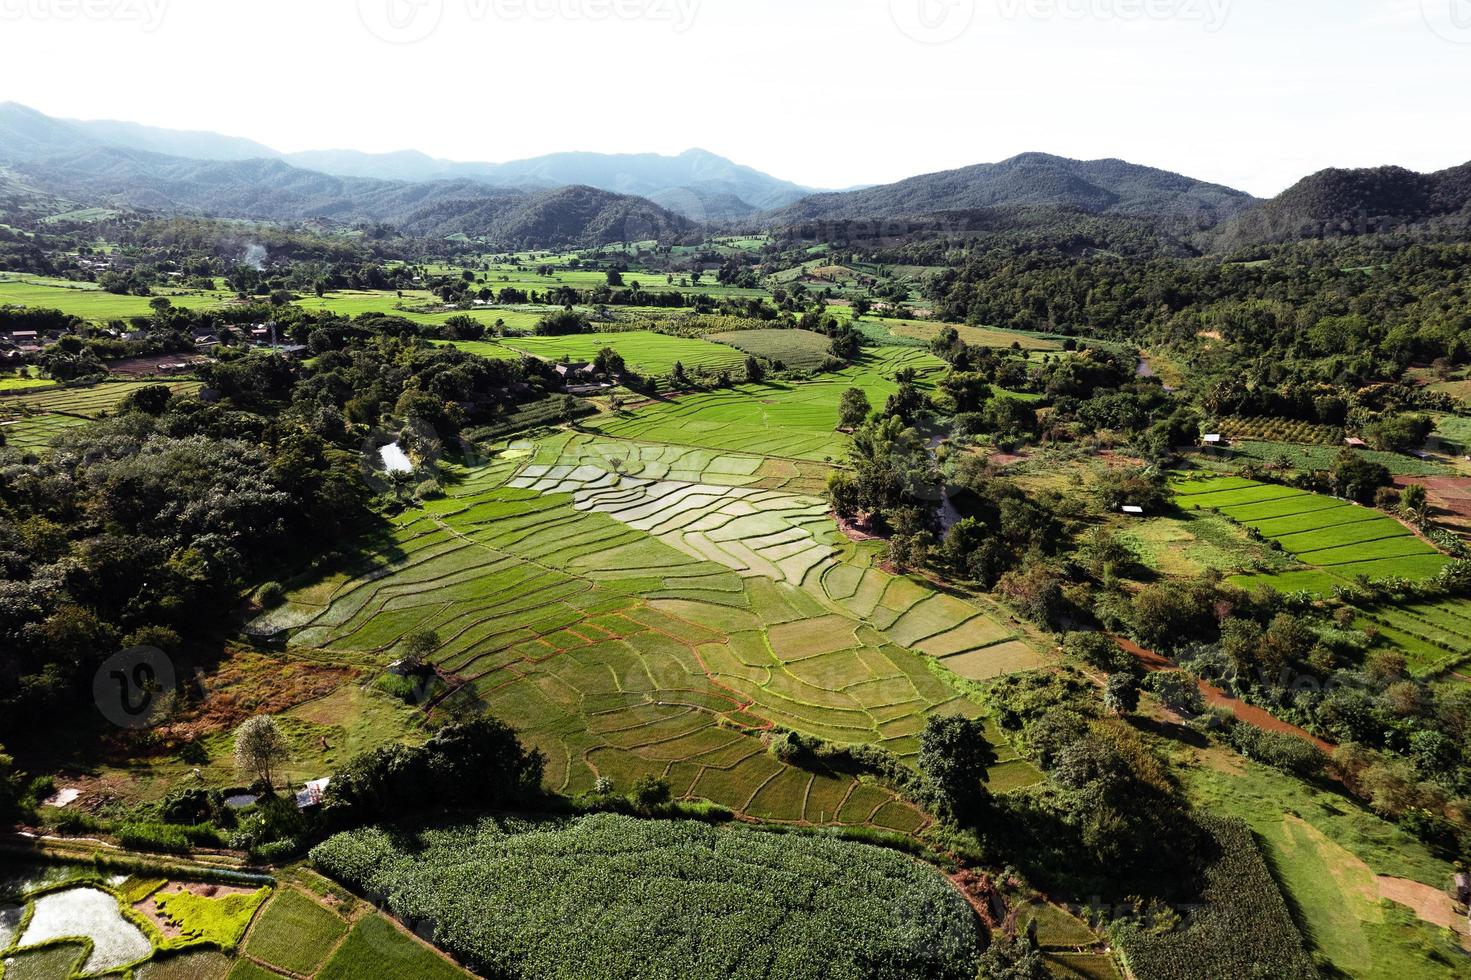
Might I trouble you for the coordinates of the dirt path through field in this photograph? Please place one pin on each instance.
(1429, 903)
(1249, 713)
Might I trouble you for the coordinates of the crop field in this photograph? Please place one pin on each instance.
(356, 302)
(1271, 430)
(1342, 539)
(92, 303)
(650, 610)
(795, 421)
(72, 921)
(928, 330)
(576, 898)
(22, 381)
(1434, 636)
(87, 403)
(800, 350)
(1322, 457)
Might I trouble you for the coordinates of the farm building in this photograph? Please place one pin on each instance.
(311, 794)
(1354, 443)
(1133, 511)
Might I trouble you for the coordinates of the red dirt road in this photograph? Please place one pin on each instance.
(1214, 696)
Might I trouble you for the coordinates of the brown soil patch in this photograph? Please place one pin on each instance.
(854, 532)
(245, 685)
(149, 906)
(1447, 495)
(159, 365)
(1428, 902)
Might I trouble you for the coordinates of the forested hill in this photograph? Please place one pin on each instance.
(1032, 179)
(1355, 202)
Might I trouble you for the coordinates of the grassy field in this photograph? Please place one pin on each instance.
(1338, 863)
(1341, 539)
(662, 623)
(790, 420)
(92, 303)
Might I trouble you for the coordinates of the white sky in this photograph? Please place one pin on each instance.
(831, 93)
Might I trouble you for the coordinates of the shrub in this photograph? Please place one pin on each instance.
(1279, 750)
(271, 595)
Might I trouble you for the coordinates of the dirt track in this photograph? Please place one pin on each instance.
(1216, 697)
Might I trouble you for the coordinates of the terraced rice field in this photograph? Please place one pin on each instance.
(792, 421)
(35, 432)
(88, 403)
(1434, 636)
(1341, 540)
(636, 609)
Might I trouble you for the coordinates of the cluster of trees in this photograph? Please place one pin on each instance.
(1401, 739)
(143, 529)
(477, 764)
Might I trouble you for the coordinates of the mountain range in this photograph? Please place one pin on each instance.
(581, 199)
(698, 184)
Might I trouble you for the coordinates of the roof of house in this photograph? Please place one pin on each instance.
(311, 795)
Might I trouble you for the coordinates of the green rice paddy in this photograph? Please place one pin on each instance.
(1341, 539)
(789, 420)
(644, 351)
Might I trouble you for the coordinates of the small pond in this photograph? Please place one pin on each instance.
(92, 913)
(395, 460)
